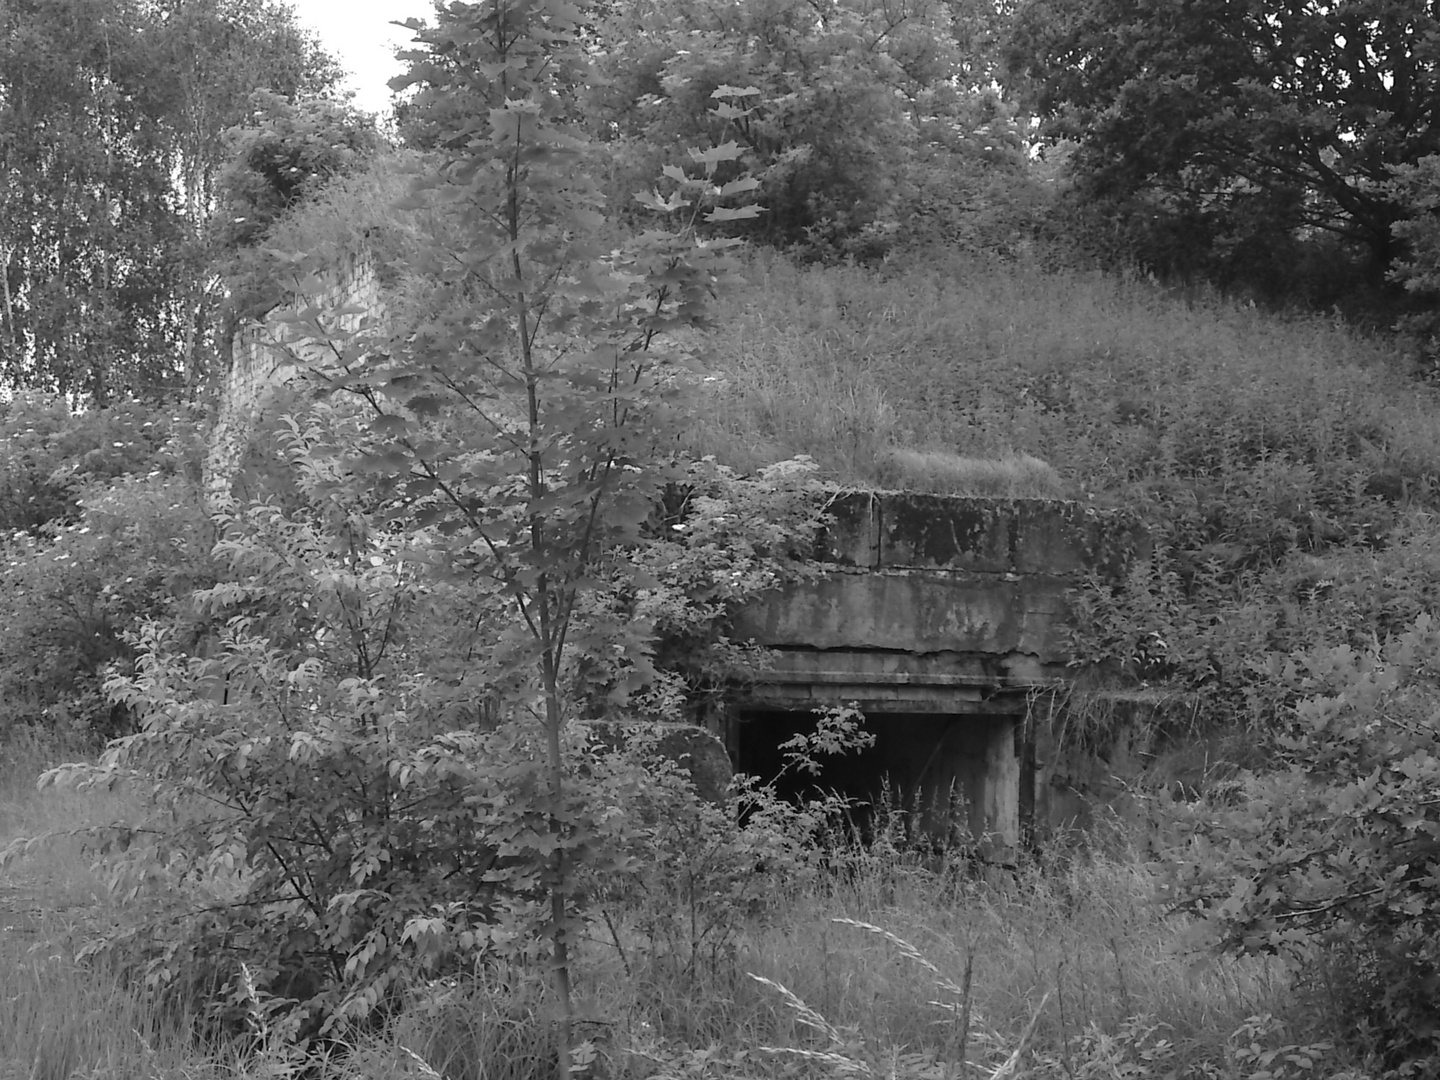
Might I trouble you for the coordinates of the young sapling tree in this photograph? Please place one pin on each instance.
(527, 427)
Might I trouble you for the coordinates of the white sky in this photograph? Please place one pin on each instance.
(359, 34)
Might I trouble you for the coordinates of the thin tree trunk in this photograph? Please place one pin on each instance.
(550, 638)
(5, 253)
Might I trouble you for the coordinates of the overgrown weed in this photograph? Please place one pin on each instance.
(1087, 931)
(1092, 373)
(60, 1018)
(1130, 395)
(1287, 468)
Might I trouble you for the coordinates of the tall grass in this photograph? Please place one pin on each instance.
(1090, 933)
(904, 963)
(1057, 952)
(1113, 382)
(59, 1016)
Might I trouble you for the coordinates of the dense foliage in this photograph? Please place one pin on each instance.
(862, 120)
(382, 704)
(371, 713)
(1332, 853)
(100, 527)
(282, 152)
(376, 818)
(1228, 134)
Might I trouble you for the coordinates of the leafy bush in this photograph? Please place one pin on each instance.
(1334, 856)
(101, 528)
(339, 834)
(715, 871)
(48, 453)
(282, 154)
(138, 549)
(281, 157)
(334, 836)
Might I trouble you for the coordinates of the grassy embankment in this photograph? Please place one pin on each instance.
(1118, 385)
(1289, 469)
(1131, 398)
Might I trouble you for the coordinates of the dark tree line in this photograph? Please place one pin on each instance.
(1245, 126)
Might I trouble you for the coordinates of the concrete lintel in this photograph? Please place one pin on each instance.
(912, 613)
(894, 667)
(877, 701)
(884, 678)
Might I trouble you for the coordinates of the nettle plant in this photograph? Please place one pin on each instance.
(379, 771)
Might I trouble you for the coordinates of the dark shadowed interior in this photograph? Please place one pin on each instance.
(935, 765)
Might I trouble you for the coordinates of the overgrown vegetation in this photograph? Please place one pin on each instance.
(1039, 386)
(1082, 935)
(1374, 576)
(364, 808)
(1285, 467)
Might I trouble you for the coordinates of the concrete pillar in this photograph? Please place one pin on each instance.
(1002, 783)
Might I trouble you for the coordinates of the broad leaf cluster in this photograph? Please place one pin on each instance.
(1339, 847)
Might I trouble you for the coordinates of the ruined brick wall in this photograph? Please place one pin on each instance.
(270, 354)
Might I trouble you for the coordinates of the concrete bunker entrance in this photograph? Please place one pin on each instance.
(954, 776)
(942, 617)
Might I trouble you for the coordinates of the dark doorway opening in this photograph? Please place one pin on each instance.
(947, 772)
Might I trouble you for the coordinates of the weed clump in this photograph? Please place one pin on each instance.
(1013, 476)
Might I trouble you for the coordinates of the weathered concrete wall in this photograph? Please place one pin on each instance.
(940, 605)
(940, 591)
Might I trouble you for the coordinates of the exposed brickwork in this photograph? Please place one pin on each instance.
(270, 354)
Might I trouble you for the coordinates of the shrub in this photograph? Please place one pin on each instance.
(1334, 856)
(333, 834)
(354, 811)
(48, 454)
(135, 551)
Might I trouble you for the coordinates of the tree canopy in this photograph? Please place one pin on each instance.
(1245, 114)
